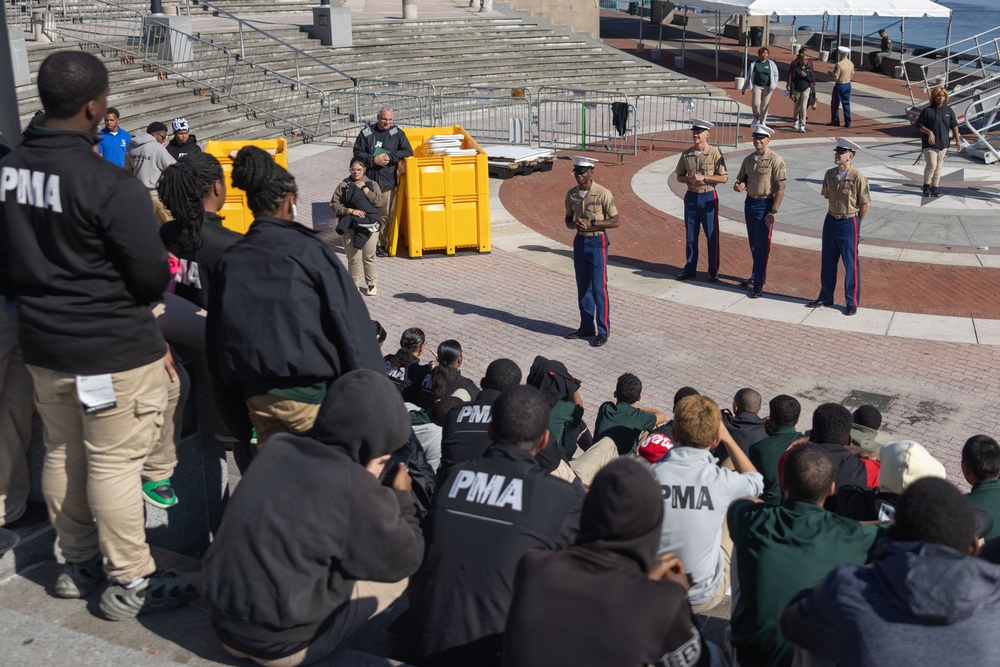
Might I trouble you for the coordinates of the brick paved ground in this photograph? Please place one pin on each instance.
(502, 305)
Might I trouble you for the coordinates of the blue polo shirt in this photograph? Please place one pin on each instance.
(113, 146)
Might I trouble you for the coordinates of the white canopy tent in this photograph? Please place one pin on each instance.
(883, 8)
(901, 9)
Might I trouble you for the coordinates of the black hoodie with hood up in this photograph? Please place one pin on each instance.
(594, 605)
(308, 520)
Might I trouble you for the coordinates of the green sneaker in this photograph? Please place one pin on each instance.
(161, 591)
(159, 494)
(79, 580)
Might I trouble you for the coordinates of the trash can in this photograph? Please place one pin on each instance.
(444, 193)
(235, 212)
(757, 35)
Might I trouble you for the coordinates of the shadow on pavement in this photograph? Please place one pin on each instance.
(464, 308)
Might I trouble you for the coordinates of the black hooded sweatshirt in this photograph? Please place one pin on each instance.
(593, 605)
(307, 520)
(179, 150)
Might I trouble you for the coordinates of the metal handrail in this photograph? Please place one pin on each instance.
(969, 54)
(297, 52)
(987, 108)
(260, 89)
(105, 24)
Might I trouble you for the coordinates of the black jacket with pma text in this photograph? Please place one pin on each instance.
(79, 242)
(488, 512)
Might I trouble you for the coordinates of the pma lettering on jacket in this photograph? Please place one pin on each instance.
(682, 497)
(34, 188)
(487, 489)
(474, 414)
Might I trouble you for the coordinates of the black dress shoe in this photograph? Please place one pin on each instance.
(600, 340)
(747, 284)
(576, 335)
(713, 277)
(847, 124)
(685, 276)
(832, 124)
(755, 294)
(851, 310)
(817, 304)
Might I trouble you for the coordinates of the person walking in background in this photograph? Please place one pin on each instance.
(842, 73)
(801, 85)
(936, 122)
(356, 203)
(112, 140)
(382, 146)
(884, 51)
(591, 211)
(761, 78)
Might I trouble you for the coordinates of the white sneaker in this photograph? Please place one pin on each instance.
(802, 130)
(795, 125)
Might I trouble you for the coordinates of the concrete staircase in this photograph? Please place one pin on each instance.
(146, 96)
(506, 51)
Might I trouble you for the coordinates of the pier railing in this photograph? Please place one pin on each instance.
(963, 68)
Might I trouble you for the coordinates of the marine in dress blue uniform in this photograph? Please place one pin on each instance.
(849, 195)
(762, 177)
(590, 210)
(701, 168)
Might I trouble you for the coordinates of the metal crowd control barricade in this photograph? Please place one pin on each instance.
(102, 23)
(236, 212)
(283, 101)
(409, 100)
(586, 120)
(208, 66)
(667, 118)
(443, 201)
(489, 113)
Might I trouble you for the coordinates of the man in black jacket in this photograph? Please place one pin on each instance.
(487, 513)
(82, 251)
(312, 544)
(383, 145)
(831, 430)
(465, 434)
(744, 423)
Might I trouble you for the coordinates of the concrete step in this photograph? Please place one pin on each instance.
(40, 629)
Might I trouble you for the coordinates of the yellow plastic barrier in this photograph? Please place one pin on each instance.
(236, 212)
(443, 201)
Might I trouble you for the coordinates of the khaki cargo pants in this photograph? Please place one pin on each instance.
(93, 465)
